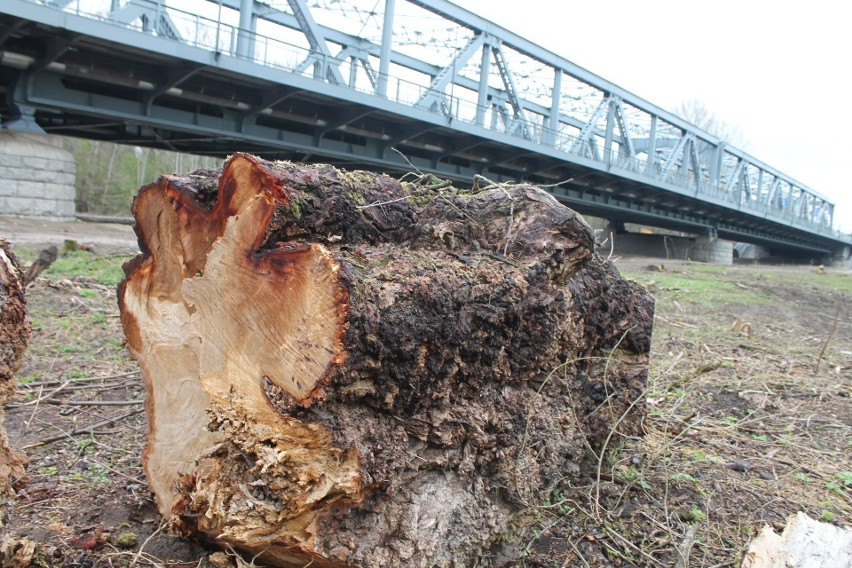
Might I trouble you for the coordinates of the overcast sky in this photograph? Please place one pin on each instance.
(779, 71)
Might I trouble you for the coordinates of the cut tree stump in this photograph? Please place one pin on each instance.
(347, 370)
(14, 335)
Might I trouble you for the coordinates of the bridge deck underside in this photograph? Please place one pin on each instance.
(98, 89)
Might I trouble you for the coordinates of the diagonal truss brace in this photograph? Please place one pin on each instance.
(325, 64)
(734, 181)
(684, 156)
(616, 120)
(358, 57)
(519, 119)
(586, 137)
(434, 95)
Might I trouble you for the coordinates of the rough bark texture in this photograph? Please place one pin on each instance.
(14, 334)
(45, 258)
(352, 371)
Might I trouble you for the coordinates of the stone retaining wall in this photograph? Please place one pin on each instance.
(36, 176)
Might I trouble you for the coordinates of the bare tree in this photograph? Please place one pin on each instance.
(696, 112)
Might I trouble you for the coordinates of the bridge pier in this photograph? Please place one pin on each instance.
(36, 176)
(842, 257)
(713, 251)
(699, 249)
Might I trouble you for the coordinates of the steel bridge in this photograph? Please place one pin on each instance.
(406, 84)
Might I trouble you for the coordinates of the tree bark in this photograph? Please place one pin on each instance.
(14, 335)
(350, 370)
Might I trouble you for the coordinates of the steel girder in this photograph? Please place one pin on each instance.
(498, 125)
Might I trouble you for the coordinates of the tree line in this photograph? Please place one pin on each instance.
(109, 175)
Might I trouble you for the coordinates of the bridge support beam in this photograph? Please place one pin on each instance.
(36, 176)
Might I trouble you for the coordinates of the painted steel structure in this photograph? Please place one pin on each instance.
(421, 83)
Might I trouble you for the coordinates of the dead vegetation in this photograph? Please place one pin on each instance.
(746, 425)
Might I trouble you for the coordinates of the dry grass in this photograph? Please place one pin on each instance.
(748, 422)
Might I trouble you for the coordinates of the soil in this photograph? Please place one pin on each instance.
(748, 422)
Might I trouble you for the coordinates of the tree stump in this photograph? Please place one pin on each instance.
(14, 335)
(350, 370)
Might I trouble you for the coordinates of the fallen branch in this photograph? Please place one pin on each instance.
(64, 402)
(87, 430)
(79, 380)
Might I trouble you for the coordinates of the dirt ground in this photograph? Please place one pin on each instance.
(749, 421)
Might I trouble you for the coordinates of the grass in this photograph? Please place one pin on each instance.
(701, 287)
(102, 269)
(744, 427)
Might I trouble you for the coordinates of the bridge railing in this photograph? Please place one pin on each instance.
(213, 35)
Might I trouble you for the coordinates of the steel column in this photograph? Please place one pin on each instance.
(385, 54)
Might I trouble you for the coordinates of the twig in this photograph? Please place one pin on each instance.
(612, 533)
(830, 336)
(380, 203)
(500, 257)
(86, 430)
(45, 397)
(407, 161)
(115, 471)
(139, 553)
(64, 402)
(511, 219)
(602, 454)
(78, 380)
(577, 552)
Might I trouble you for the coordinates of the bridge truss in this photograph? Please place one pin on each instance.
(387, 85)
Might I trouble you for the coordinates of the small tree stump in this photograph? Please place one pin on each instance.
(14, 335)
(352, 371)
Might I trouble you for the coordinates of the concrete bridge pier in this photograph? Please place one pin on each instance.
(36, 176)
(842, 257)
(713, 250)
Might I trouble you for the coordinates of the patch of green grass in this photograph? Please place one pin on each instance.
(831, 280)
(730, 420)
(803, 477)
(95, 474)
(27, 379)
(633, 475)
(695, 514)
(99, 318)
(845, 478)
(87, 293)
(105, 270)
(826, 516)
(705, 286)
(682, 477)
(702, 456)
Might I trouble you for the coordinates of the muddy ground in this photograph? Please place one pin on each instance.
(749, 420)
